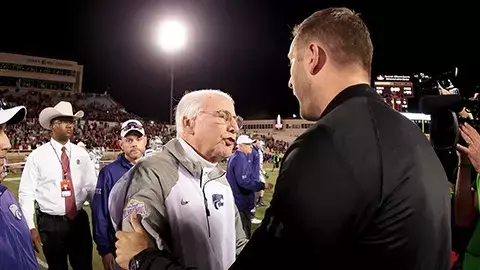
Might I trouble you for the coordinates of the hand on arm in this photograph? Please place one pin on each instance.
(145, 199)
(129, 244)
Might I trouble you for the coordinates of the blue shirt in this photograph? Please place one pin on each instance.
(16, 249)
(243, 181)
(103, 231)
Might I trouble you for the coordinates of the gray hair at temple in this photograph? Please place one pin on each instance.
(192, 104)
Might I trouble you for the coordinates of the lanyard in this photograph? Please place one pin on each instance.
(60, 160)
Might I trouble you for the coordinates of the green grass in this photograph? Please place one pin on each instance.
(97, 260)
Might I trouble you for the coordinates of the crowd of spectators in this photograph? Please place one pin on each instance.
(100, 126)
(273, 145)
(96, 107)
(29, 135)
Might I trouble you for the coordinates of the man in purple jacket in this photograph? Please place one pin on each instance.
(16, 251)
(133, 145)
(244, 181)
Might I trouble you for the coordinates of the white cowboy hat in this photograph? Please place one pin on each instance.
(63, 108)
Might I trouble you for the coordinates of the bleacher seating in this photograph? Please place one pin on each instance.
(99, 128)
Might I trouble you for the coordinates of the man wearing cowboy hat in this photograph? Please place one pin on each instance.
(57, 179)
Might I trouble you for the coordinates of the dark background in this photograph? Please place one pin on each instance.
(237, 46)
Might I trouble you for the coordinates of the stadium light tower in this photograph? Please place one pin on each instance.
(171, 37)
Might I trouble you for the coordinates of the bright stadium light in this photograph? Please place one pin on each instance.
(172, 36)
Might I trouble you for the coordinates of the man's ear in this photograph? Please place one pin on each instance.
(317, 57)
(188, 125)
(119, 143)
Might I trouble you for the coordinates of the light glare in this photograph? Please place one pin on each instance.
(172, 36)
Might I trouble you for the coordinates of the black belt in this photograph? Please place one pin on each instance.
(41, 214)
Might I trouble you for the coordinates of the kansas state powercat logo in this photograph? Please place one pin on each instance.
(217, 200)
(15, 211)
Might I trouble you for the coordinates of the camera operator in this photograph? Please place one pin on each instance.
(466, 208)
(463, 113)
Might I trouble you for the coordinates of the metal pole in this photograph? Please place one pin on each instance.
(171, 89)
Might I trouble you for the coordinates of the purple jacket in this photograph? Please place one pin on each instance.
(16, 244)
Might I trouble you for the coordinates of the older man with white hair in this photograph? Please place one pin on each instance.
(186, 205)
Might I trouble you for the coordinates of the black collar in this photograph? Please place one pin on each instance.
(357, 90)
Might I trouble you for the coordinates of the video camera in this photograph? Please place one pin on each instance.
(447, 108)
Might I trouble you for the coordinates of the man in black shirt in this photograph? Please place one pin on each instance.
(362, 188)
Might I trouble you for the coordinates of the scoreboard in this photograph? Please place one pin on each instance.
(395, 90)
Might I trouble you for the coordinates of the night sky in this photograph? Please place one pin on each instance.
(239, 46)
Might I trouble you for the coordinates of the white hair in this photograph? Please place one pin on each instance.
(191, 105)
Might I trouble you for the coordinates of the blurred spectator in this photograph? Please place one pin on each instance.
(101, 124)
(101, 127)
(272, 146)
(29, 135)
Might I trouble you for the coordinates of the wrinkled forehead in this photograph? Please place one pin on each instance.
(217, 103)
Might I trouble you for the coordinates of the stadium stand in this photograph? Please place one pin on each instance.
(99, 128)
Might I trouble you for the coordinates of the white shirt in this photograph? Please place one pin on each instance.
(191, 154)
(195, 157)
(42, 175)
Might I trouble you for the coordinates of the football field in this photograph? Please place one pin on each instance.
(12, 182)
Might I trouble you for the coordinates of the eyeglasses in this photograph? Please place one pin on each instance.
(131, 125)
(227, 116)
(64, 121)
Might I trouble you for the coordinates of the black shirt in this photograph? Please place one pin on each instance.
(361, 189)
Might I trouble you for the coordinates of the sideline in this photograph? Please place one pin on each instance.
(11, 179)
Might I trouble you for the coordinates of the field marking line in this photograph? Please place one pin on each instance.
(11, 179)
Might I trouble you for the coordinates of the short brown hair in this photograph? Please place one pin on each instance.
(344, 34)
